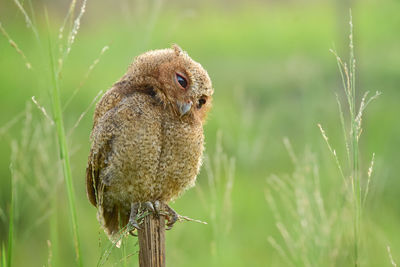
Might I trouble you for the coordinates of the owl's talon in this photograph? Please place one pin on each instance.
(157, 207)
(132, 217)
(148, 206)
(172, 217)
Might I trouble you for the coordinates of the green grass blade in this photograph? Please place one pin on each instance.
(3, 256)
(64, 155)
(54, 232)
(11, 225)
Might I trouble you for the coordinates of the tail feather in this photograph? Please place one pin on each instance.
(113, 220)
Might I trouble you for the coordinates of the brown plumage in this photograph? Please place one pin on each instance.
(147, 137)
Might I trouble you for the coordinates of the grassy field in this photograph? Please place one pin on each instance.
(269, 187)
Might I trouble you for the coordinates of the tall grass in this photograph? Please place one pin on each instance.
(351, 139)
(34, 178)
(55, 118)
(64, 154)
(309, 231)
(318, 222)
(217, 198)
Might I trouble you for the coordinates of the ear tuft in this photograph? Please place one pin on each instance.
(177, 49)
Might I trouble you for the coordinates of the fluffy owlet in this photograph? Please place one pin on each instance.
(147, 137)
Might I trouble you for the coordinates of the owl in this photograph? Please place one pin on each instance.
(147, 137)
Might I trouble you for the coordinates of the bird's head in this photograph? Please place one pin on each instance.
(178, 81)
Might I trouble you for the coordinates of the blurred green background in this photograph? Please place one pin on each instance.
(274, 77)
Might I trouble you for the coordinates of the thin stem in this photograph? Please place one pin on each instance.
(16, 47)
(11, 225)
(64, 155)
(358, 196)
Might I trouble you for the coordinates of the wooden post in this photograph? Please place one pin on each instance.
(152, 241)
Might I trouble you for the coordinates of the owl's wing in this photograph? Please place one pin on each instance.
(102, 137)
(96, 162)
(101, 143)
(116, 114)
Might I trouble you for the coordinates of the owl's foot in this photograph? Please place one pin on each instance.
(139, 210)
(159, 208)
(172, 217)
(133, 216)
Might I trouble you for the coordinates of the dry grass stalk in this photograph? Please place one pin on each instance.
(28, 21)
(42, 109)
(13, 44)
(71, 36)
(391, 257)
(357, 191)
(85, 112)
(90, 69)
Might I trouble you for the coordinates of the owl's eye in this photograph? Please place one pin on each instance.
(182, 81)
(201, 102)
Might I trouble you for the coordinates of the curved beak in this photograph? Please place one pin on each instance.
(184, 107)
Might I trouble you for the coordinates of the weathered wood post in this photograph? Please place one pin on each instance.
(152, 241)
